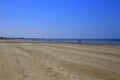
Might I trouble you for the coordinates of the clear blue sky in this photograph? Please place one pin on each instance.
(60, 18)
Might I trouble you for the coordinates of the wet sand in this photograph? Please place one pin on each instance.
(33, 61)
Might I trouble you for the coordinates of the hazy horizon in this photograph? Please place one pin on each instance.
(69, 19)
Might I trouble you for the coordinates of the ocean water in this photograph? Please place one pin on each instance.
(80, 41)
(102, 41)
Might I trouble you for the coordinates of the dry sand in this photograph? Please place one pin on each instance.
(31, 61)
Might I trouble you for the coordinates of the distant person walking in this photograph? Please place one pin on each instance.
(79, 41)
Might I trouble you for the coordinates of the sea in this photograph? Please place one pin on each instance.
(115, 42)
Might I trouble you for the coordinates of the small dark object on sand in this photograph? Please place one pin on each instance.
(50, 40)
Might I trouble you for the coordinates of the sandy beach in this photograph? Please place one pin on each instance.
(33, 61)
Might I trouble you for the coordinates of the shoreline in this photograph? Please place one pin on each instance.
(54, 42)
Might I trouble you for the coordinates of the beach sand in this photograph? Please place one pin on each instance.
(33, 61)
